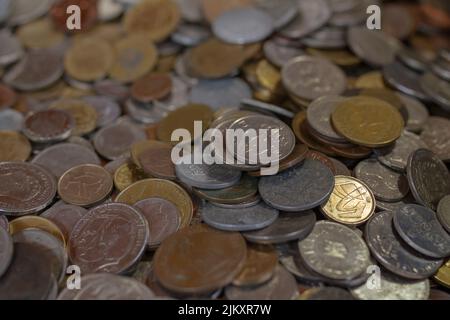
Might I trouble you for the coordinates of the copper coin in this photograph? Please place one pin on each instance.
(14, 146)
(65, 216)
(109, 238)
(163, 218)
(156, 161)
(48, 126)
(7, 97)
(85, 185)
(88, 10)
(25, 188)
(153, 86)
(199, 260)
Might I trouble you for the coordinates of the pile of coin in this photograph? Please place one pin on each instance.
(358, 208)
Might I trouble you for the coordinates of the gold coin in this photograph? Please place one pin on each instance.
(126, 175)
(368, 121)
(35, 222)
(351, 202)
(14, 146)
(89, 60)
(342, 58)
(269, 76)
(156, 19)
(443, 275)
(383, 94)
(370, 80)
(183, 118)
(40, 34)
(157, 188)
(84, 115)
(135, 57)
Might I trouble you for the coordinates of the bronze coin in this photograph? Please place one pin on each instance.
(85, 185)
(65, 216)
(354, 152)
(48, 126)
(154, 86)
(7, 97)
(156, 161)
(109, 238)
(199, 260)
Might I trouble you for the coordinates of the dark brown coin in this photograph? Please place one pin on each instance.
(428, 177)
(25, 188)
(316, 155)
(398, 21)
(109, 238)
(156, 161)
(182, 266)
(443, 212)
(48, 126)
(436, 135)
(65, 216)
(436, 294)
(7, 97)
(154, 86)
(85, 185)
(163, 218)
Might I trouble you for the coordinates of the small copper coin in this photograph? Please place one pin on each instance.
(153, 86)
(14, 146)
(65, 216)
(85, 185)
(156, 160)
(48, 126)
(7, 97)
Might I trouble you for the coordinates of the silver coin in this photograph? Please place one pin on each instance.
(145, 113)
(441, 68)
(394, 206)
(24, 11)
(59, 158)
(404, 80)
(112, 89)
(281, 11)
(268, 107)
(413, 59)
(5, 9)
(325, 78)
(191, 10)
(313, 14)
(4, 224)
(417, 113)
(11, 50)
(278, 54)
(437, 89)
(246, 204)
(220, 93)
(300, 188)
(243, 219)
(443, 212)
(6, 250)
(107, 109)
(190, 35)
(11, 120)
(326, 38)
(182, 70)
(108, 10)
(65, 216)
(386, 184)
(243, 25)
(335, 251)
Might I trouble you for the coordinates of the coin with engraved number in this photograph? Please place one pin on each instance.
(436, 135)
(65, 216)
(14, 146)
(6, 250)
(48, 126)
(443, 212)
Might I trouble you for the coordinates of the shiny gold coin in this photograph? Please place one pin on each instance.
(14, 146)
(342, 58)
(183, 118)
(135, 57)
(89, 60)
(269, 76)
(368, 121)
(443, 275)
(370, 80)
(351, 202)
(84, 115)
(155, 19)
(126, 175)
(157, 188)
(35, 222)
(39, 34)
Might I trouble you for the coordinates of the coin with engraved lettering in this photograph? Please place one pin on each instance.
(109, 238)
(404, 80)
(417, 113)
(6, 250)
(65, 216)
(335, 251)
(419, 228)
(436, 135)
(443, 212)
(48, 126)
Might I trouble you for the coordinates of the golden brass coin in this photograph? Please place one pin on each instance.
(157, 188)
(35, 222)
(269, 76)
(14, 146)
(214, 8)
(368, 121)
(370, 80)
(135, 57)
(183, 118)
(126, 175)
(84, 115)
(155, 19)
(443, 275)
(39, 34)
(342, 58)
(351, 202)
(89, 60)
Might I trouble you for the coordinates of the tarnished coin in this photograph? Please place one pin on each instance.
(419, 227)
(340, 168)
(185, 269)
(83, 114)
(153, 86)
(85, 185)
(428, 177)
(300, 188)
(7, 97)
(25, 188)
(65, 216)
(417, 113)
(48, 126)
(437, 89)
(370, 80)
(242, 219)
(6, 250)
(163, 218)
(399, 258)
(335, 251)
(35, 222)
(109, 238)
(436, 294)
(443, 212)
(326, 293)
(282, 286)
(443, 275)
(14, 146)
(386, 184)
(287, 227)
(107, 109)
(436, 135)
(61, 157)
(127, 174)
(156, 160)
(351, 202)
(248, 203)
(403, 79)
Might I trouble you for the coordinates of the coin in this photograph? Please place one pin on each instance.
(85, 185)
(394, 206)
(6, 250)
(112, 89)
(11, 50)
(83, 114)
(246, 204)
(428, 177)
(39, 34)
(7, 97)
(24, 11)
(443, 275)
(212, 9)
(117, 247)
(386, 184)
(404, 80)
(4, 223)
(153, 86)
(437, 89)
(340, 168)
(300, 188)
(14, 146)
(413, 59)
(48, 126)
(411, 220)
(279, 54)
(88, 10)
(443, 212)
(65, 217)
(326, 293)
(398, 21)
(185, 269)
(127, 174)
(370, 80)
(417, 113)
(436, 136)
(155, 160)
(287, 227)
(156, 188)
(342, 58)
(35, 222)
(106, 108)
(438, 295)
(327, 37)
(353, 116)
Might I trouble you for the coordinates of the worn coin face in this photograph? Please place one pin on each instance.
(443, 212)
(386, 184)
(300, 188)
(14, 146)
(65, 216)
(428, 177)
(436, 135)
(180, 264)
(419, 227)
(334, 251)
(109, 238)
(351, 202)
(48, 126)
(6, 250)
